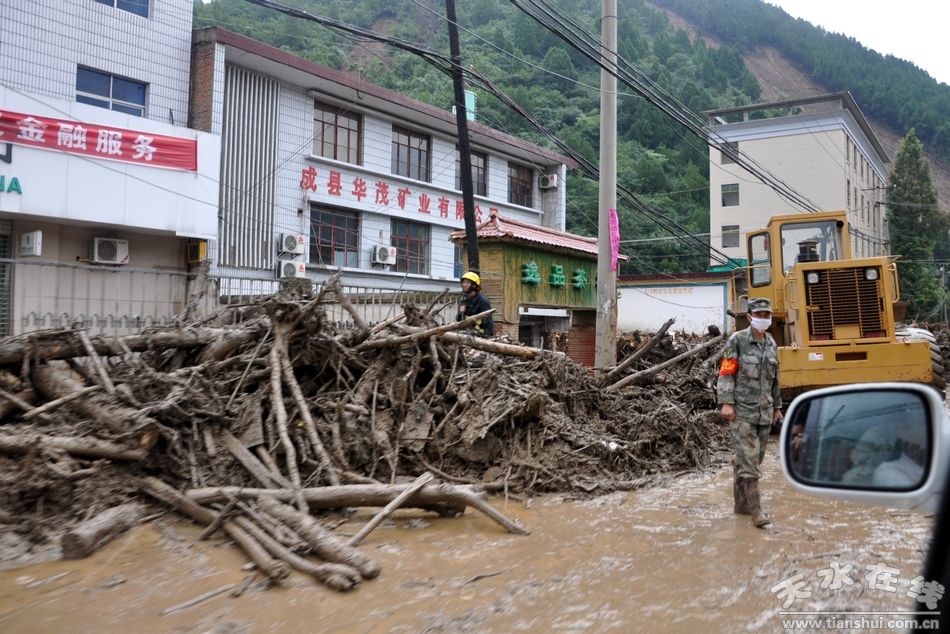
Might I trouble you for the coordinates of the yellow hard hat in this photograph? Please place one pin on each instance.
(472, 277)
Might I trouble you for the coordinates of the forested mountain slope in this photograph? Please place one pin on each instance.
(659, 160)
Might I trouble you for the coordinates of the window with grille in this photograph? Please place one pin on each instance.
(459, 260)
(110, 91)
(729, 146)
(337, 134)
(520, 181)
(138, 7)
(730, 236)
(730, 195)
(479, 173)
(411, 154)
(334, 237)
(411, 240)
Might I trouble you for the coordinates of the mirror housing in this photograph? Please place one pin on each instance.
(881, 444)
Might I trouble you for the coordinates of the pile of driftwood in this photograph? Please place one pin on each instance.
(252, 419)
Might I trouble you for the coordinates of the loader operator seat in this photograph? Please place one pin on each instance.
(808, 251)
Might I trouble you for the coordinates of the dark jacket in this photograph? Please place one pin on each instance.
(469, 306)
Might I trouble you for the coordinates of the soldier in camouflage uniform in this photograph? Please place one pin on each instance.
(748, 391)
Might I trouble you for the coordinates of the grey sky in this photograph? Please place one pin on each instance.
(914, 30)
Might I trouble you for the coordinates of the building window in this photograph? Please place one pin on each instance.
(110, 92)
(334, 237)
(848, 189)
(479, 173)
(337, 134)
(730, 195)
(410, 154)
(138, 7)
(724, 158)
(411, 240)
(730, 236)
(459, 260)
(520, 181)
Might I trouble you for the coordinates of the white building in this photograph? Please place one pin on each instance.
(102, 182)
(323, 171)
(822, 147)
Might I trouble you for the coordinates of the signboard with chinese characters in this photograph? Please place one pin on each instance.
(335, 186)
(89, 139)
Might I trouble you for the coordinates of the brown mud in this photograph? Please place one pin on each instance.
(668, 558)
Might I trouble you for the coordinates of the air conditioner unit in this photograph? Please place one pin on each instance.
(383, 254)
(109, 251)
(547, 181)
(289, 268)
(31, 243)
(292, 243)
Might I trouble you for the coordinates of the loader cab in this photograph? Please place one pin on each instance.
(774, 251)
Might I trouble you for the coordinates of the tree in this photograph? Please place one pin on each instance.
(916, 225)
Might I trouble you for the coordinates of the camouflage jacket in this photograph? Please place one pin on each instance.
(748, 377)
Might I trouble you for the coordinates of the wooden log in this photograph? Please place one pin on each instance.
(349, 495)
(50, 405)
(393, 341)
(99, 530)
(56, 384)
(280, 418)
(16, 401)
(12, 353)
(390, 508)
(495, 346)
(252, 464)
(326, 463)
(273, 568)
(103, 376)
(326, 545)
(79, 447)
(611, 376)
(337, 576)
(627, 380)
(27, 396)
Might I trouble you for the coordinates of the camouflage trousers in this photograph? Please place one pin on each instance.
(748, 446)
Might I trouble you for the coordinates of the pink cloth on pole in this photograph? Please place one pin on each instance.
(614, 238)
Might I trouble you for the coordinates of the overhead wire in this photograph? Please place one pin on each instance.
(445, 64)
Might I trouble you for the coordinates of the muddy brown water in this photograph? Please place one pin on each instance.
(670, 558)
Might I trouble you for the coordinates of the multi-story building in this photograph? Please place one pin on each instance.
(323, 171)
(821, 147)
(101, 183)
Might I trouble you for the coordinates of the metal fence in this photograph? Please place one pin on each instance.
(372, 304)
(127, 300)
(106, 300)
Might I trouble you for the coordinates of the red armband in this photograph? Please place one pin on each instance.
(729, 367)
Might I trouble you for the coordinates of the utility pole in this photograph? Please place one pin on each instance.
(606, 346)
(465, 153)
(943, 293)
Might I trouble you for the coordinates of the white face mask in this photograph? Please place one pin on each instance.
(761, 323)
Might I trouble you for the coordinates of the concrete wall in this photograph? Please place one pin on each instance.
(819, 156)
(43, 41)
(695, 306)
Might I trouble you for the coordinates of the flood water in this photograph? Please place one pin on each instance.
(670, 558)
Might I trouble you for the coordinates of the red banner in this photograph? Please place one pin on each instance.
(117, 144)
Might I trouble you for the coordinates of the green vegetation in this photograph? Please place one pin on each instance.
(657, 159)
(660, 161)
(915, 228)
(892, 91)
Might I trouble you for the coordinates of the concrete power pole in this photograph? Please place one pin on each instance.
(465, 154)
(606, 347)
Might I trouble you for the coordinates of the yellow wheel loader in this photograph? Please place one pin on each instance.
(835, 317)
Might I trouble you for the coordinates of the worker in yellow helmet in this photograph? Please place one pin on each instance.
(473, 303)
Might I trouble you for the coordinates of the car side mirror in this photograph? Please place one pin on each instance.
(874, 443)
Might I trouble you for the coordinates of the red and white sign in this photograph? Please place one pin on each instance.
(405, 198)
(117, 144)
